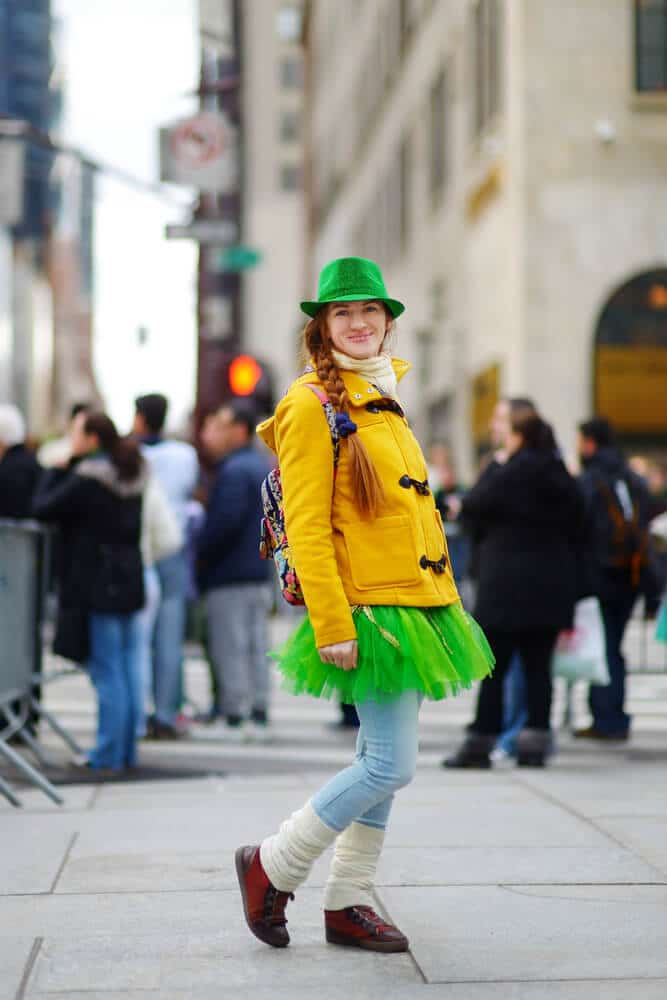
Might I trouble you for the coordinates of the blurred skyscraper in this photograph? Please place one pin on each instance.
(45, 235)
(505, 161)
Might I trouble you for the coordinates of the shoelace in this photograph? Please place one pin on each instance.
(369, 919)
(274, 905)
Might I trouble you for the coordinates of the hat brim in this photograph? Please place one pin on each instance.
(393, 305)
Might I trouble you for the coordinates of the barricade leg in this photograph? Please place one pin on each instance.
(8, 793)
(31, 773)
(56, 727)
(20, 727)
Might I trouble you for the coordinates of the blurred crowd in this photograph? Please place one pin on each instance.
(157, 541)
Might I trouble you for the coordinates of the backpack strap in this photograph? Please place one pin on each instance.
(622, 529)
(330, 415)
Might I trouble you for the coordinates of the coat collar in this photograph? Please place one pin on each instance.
(360, 391)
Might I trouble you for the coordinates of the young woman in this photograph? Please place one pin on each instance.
(385, 626)
(97, 502)
(528, 518)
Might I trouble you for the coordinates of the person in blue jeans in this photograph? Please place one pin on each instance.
(114, 667)
(97, 502)
(175, 465)
(384, 626)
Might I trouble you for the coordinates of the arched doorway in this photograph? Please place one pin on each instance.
(630, 364)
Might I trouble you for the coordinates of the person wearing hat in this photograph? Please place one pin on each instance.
(385, 627)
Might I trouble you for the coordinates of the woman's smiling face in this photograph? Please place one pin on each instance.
(357, 329)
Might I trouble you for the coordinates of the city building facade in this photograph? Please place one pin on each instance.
(505, 162)
(274, 209)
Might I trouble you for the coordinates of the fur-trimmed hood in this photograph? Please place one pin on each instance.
(102, 470)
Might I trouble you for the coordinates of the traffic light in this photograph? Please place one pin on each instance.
(250, 379)
(244, 375)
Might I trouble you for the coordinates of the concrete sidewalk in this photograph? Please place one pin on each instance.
(516, 884)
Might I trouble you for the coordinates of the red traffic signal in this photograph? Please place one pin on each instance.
(244, 375)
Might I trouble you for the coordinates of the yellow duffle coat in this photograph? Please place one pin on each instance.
(341, 559)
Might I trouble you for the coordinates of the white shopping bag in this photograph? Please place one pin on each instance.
(580, 654)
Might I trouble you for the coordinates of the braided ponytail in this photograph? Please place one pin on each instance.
(366, 482)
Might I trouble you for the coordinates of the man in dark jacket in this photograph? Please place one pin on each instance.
(19, 469)
(618, 510)
(232, 574)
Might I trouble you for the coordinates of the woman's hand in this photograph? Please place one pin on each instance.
(341, 654)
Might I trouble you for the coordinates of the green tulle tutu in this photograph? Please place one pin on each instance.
(437, 651)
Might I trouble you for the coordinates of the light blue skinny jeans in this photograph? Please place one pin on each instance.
(385, 761)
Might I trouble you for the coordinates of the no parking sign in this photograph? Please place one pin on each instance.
(202, 152)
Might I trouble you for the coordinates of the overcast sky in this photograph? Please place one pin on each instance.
(128, 65)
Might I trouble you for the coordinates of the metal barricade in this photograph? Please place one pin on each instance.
(24, 549)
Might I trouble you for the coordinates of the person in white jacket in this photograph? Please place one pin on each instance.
(161, 536)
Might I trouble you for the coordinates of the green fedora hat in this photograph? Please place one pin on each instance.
(352, 279)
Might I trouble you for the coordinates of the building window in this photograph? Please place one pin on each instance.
(438, 135)
(291, 73)
(290, 126)
(288, 23)
(290, 177)
(651, 46)
(486, 60)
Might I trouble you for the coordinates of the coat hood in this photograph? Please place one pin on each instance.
(102, 470)
(359, 391)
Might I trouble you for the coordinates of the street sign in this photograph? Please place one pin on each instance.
(201, 151)
(220, 231)
(238, 258)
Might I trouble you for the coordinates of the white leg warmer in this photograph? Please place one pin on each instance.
(288, 855)
(352, 872)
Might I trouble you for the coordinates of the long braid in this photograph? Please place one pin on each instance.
(367, 483)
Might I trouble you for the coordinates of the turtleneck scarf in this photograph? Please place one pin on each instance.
(377, 370)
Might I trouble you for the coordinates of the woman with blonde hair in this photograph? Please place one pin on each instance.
(385, 627)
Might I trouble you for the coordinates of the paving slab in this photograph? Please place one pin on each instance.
(76, 797)
(626, 989)
(513, 865)
(201, 944)
(30, 863)
(638, 832)
(479, 821)
(598, 792)
(495, 934)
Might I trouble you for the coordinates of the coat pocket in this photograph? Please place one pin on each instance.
(382, 553)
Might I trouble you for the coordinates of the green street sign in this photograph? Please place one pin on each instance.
(238, 258)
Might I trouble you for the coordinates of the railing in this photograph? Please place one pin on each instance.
(24, 564)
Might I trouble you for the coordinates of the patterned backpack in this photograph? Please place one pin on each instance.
(273, 542)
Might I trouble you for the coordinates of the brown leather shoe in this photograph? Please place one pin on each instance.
(263, 904)
(362, 927)
(591, 733)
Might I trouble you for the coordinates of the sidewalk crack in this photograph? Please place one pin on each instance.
(29, 966)
(66, 857)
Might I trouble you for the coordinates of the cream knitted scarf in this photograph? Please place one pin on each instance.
(377, 370)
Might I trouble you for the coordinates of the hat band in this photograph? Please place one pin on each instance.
(342, 292)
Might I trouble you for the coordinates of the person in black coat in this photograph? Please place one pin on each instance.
(527, 517)
(97, 502)
(19, 469)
